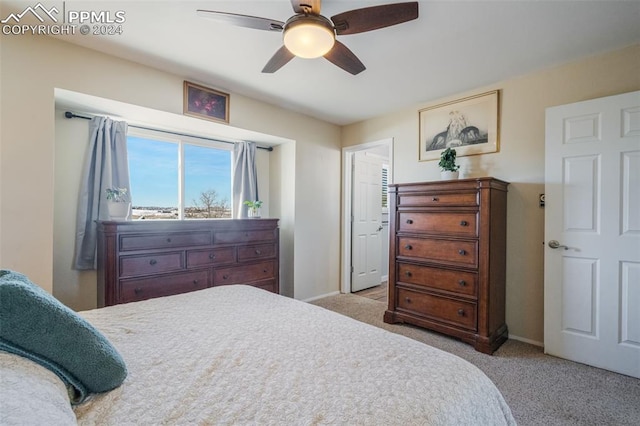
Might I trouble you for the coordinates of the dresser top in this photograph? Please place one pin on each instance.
(187, 225)
(452, 185)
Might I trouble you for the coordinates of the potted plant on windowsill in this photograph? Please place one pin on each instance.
(118, 206)
(253, 210)
(448, 167)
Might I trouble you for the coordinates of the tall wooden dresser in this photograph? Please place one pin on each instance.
(139, 260)
(447, 258)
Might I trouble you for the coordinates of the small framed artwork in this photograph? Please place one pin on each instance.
(470, 125)
(203, 102)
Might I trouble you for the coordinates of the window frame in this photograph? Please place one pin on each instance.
(181, 141)
(385, 188)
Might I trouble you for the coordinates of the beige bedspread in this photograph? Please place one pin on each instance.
(240, 355)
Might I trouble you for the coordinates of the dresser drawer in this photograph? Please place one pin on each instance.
(269, 285)
(451, 311)
(140, 289)
(164, 240)
(459, 253)
(244, 274)
(156, 263)
(455, 224)
(440, 279)
(438, 199)
(210, 257)
(243, 236)
(261, 251)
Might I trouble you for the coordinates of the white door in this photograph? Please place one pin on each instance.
(366, 228)
(592, 233)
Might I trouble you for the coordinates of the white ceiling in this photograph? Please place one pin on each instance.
(454, 46)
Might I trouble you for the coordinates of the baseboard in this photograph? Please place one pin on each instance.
(529, 341)
(322, 296)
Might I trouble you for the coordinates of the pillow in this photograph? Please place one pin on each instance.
(32, 395)
(35, 325)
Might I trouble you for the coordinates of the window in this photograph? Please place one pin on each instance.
(178, 178)
(385, 189)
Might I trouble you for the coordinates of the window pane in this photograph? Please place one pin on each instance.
(385, 188)
(153, 170)
(207, 182)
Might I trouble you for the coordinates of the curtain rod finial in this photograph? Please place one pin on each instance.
(68, 114)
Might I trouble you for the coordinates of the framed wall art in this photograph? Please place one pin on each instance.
(470, 125)
(203, 102)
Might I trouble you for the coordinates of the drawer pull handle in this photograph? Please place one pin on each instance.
(462, 252)
(168, 240)
(460, 312)
(258, 252)
(212, 256)
(464, 223)
(137, 290)
(408, 300)
(153, 262)
(462, 283)
(225, 277)
(410, 221)
(408, 247)
(264, 270)
(408, 273)
(436, 199)
(195, 282)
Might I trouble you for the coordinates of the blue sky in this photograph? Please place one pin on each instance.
(153, 170)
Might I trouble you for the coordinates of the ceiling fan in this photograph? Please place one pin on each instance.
(307, 34)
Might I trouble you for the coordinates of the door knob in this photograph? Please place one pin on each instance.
(379, 229)
(554, 244)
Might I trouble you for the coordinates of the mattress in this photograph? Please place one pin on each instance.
(241, 355)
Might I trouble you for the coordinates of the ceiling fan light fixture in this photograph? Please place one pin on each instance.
(309, 36)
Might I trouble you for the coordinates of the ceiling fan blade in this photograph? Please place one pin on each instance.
(306, 6)
(247, 21)
(341, 56)
(375, 17)
(278, 60)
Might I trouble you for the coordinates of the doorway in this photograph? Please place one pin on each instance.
(382, 150)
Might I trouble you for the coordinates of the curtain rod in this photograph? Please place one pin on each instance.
(69, 114)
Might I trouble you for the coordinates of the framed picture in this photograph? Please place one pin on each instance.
(203, 102)
(470, 125)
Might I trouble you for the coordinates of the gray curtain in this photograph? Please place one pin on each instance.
(245, 178)
(106, 166)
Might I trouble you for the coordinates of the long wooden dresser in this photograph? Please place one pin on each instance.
(139, 260)
(447, 258)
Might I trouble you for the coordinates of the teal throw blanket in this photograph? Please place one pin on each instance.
(35, 325)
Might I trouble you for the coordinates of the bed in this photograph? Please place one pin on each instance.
(241, 355)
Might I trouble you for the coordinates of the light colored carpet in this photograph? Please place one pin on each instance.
(540, 389)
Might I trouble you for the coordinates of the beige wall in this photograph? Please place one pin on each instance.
(32, 67)
(519, 161)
